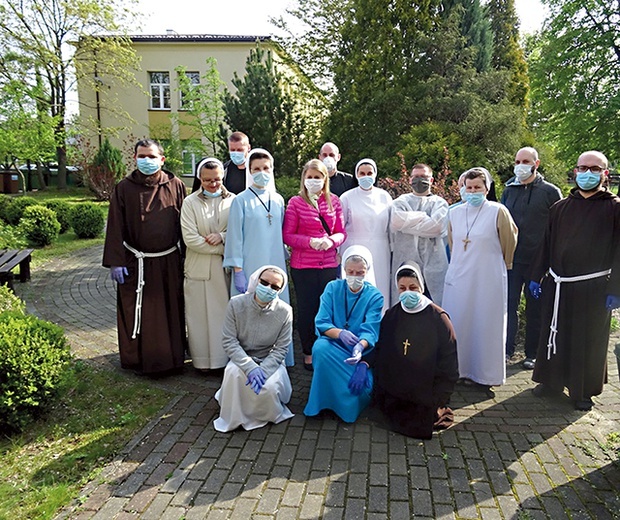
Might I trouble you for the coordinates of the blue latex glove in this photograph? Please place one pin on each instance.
(118, 274)
(359, 379)
(612, 302)
(256, 379)
(241, 283)
(357, 354)
(348, 338)
(535, 289)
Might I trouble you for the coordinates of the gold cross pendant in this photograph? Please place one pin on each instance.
(465, 242)
(406, 345)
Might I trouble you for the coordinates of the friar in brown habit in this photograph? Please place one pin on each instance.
(142, 251)
(578, 266)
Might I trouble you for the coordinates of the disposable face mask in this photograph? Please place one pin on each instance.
(148, 166)
(409, 299)
(523, 171)
(420, 184)
(588, 180)
(212, 195)
(355, 283)
(314, 185)
(330, 163)
(237, 157)
(475, 199)
(265, 294)
(261, 179)
(366, 182)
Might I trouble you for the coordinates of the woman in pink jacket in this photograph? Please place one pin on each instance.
(313, 228)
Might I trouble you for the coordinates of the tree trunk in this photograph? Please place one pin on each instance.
(40, 178)
(61, 156)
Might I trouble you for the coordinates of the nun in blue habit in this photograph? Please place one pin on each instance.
(347, 326)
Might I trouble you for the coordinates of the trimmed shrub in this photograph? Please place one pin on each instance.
(106, 170)
(40, 225)
(5, 202)
(87, 220)
(15, 209)
(11, 237)
(34, 359)
(63, 213)
(10, 302)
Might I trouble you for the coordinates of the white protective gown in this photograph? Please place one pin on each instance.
(367, 222)
(419, 224)
(475, 293)
(205, 286)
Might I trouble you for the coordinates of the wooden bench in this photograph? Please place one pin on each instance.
(9, 259)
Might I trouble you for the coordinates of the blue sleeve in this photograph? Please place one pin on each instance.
(369, 329)
(325, 318)
(233, 249)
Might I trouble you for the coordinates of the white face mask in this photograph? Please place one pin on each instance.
(523, 171)
(355, 283)
(330, 163)
(314, 186)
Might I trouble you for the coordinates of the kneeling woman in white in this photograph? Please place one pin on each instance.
(257, 331)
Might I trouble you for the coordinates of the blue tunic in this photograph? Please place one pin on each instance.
(329, 389)
(252, 242)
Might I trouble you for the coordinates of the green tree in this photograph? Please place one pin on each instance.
(42, 35)
(202, 109)
(575, 72)
(281, 113)
(507, 52)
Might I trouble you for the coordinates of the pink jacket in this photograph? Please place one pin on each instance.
(302, 222)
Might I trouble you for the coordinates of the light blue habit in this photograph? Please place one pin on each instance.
(251, 241)
(329, 388)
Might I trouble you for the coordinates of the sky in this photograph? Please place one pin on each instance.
(251, 17)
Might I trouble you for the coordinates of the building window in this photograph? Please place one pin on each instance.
(193, 81)
(160, 90)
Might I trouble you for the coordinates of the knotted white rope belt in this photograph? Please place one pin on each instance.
(137, 320)
(553, 328)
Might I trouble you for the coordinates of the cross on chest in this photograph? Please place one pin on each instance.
(406, 346)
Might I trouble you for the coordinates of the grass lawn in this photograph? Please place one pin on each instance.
(44, 468)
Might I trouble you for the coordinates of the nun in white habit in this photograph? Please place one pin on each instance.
(257, 331)
(366, 210)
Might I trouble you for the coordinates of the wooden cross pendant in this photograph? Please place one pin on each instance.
(406, 345)
(465, 242)
(269, 217)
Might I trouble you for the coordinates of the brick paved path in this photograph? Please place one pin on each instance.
(510, 456)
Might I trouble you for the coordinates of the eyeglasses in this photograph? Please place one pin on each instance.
(274, 286)
(212, 181)
(594, 169)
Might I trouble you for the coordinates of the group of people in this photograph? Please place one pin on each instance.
(385, 312)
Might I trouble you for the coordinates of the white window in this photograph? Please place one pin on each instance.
(160, 90)
(194, 81)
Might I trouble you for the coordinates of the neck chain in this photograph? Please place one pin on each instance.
(468, 227)
(266, 206)
(346, 305)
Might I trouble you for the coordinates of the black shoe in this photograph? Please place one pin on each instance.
(584, 405)
(308, 367)
(529, 363)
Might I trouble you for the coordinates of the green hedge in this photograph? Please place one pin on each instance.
(14, 211)
(63, 213)
(87, 220)
(40, 225)
(34, 362)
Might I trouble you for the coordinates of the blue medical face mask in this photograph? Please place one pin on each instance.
(265, 293)
(366, 182)
(475, 199)
(409, 299)
(212, 195)
(147, 165)
(237, 157)
(588, 180)
(261, 179)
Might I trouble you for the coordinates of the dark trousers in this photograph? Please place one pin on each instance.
(309, 285)
(518, 281)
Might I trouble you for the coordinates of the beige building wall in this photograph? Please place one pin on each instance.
(158, 54)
